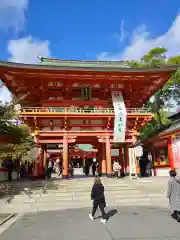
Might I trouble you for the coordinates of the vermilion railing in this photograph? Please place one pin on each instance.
(82, 110)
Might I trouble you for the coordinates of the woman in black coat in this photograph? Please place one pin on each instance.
(97, 195)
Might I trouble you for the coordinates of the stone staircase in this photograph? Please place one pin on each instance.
(68, 194)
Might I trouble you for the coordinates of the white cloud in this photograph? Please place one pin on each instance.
(122, 32)
(25, 50)
(12, 14)
(5, 94)
(141, 42)
(122, 35)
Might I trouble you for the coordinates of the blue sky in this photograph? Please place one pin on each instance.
(89, 30)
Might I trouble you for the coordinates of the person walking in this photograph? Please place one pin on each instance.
(10, 169)
(94, 169)
(97, 195)
(173, 194)
(71, 170)
(49, 168)
(57, 167)
(116, 168)
(86, 169)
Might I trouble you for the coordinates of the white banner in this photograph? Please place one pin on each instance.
(120, 116)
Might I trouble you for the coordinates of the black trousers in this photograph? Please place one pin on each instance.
(116, 173)
(101, 206)
(94, 172)
(49, 172)
(9, 175)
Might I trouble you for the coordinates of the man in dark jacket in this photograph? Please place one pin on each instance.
(97, 195)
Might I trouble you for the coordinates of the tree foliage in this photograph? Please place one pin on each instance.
(21, 140)
(155, 58)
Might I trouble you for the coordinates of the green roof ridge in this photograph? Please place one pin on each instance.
(80, 63)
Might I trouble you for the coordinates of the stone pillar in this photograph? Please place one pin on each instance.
(108, 157)
(65, 157)
(103, 159)
(170, 153)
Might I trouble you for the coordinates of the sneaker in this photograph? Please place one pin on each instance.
(174, 216)
(91, 217)
(103, 220)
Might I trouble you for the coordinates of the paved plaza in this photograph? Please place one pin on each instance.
(144, 223)
(137, 209)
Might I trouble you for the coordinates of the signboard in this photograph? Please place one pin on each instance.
(120, 116)
(114, 152)
(86, 93)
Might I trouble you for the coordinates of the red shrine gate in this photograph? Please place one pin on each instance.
(72, 102)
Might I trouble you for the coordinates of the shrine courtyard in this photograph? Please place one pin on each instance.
(141, 212)
(124, 223)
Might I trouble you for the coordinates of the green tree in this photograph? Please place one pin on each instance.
(156, 57)
(21, 140)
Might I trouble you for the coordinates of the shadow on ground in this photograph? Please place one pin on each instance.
(124, 223)
(9, 189)
(109, 214)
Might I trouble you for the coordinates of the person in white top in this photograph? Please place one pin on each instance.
(116, 168)
(57, 167)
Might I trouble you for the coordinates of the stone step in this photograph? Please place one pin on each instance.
(75, 203)
(138, 199)
(83, 195)
(128, 196)
(59, 205)
(84, 192)
(84, 199)
(157, 195)
(80, 203)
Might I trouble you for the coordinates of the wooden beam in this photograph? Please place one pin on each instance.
(55, 141)
(75, 133)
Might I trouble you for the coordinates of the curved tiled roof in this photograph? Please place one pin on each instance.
(100, 66)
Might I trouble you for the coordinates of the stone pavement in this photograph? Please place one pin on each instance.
(3, 217)
(67, 194)
(127, 223)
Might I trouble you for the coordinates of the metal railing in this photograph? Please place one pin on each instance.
(70, 110)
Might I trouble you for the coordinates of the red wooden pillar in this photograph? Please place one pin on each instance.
(153, 159)
(65, 157)
(103, 159)
(98, 157)
(40, 168)
(108, 157)
(45, 156)
(122, 162)
(170, 153)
